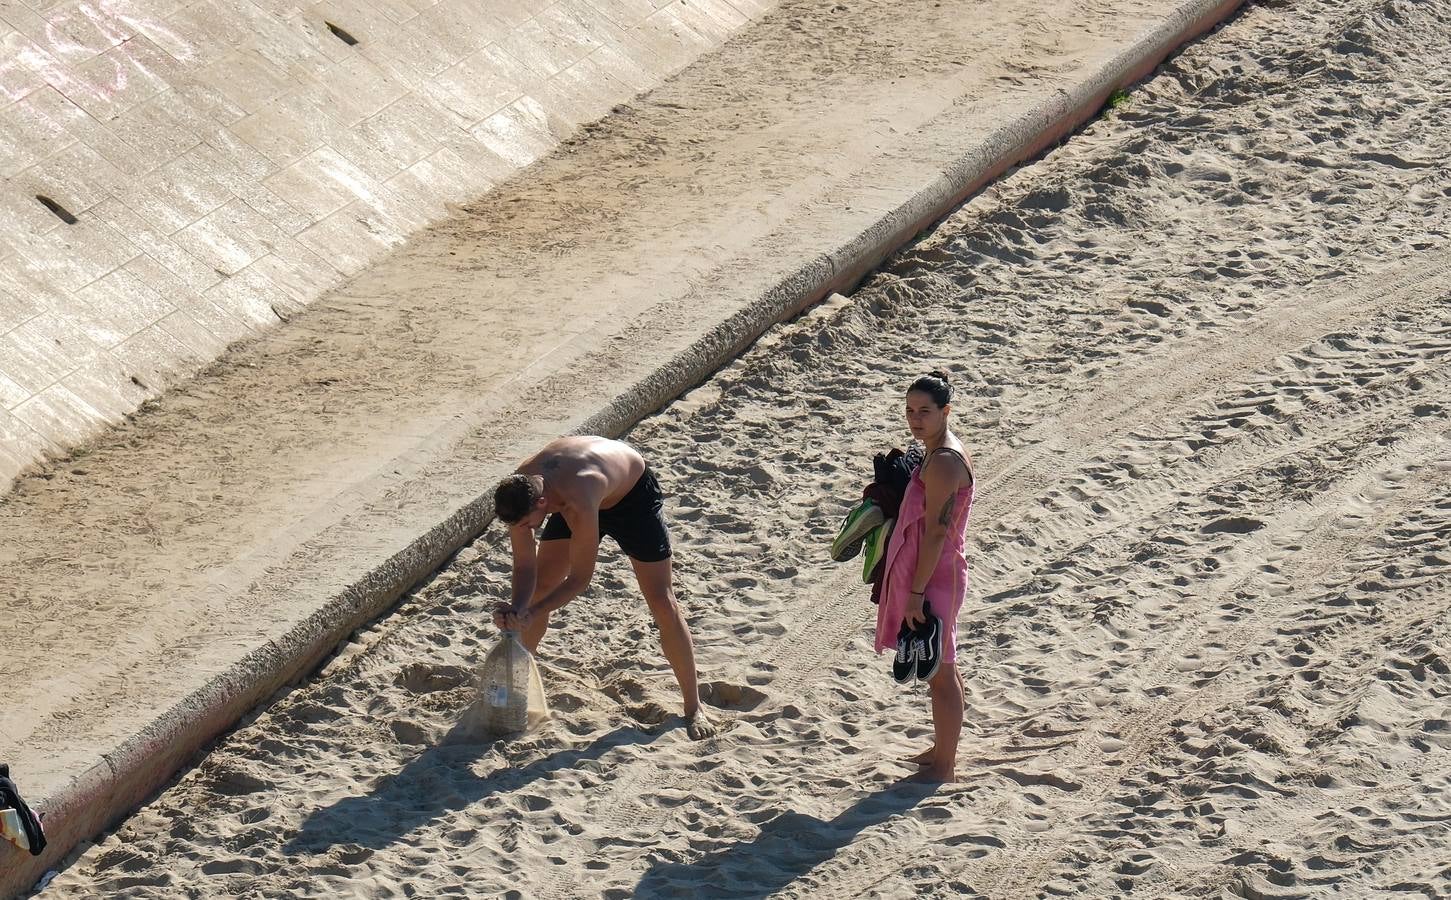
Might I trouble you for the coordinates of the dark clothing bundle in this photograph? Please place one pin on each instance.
(893, 471)
(869, 524)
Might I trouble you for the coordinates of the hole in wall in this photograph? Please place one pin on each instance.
(342, 35)
(60, 211)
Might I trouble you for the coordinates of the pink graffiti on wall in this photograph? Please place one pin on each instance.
(114, 24)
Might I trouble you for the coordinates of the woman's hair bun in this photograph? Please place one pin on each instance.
(935, 385)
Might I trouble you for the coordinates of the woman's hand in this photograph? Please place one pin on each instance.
(914, 615)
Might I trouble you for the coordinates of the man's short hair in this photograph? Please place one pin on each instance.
(515, 498)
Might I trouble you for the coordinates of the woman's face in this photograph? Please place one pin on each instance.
(924, 417)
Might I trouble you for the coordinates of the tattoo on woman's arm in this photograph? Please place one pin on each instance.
(944, 518)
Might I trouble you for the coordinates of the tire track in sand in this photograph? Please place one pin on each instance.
(1137, 394)
(1325, 539)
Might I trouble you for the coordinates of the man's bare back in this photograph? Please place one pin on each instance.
(579, 469)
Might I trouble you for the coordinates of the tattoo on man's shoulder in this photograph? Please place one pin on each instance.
(944, 518)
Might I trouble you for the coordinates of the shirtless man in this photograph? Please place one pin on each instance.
(588, 487)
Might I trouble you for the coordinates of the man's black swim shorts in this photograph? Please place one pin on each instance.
(636, 522)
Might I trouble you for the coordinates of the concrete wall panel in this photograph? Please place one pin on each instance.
(226, 163)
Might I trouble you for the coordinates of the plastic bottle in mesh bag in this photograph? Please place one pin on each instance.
(510, 693)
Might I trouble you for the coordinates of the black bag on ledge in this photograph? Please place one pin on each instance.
(18, 824)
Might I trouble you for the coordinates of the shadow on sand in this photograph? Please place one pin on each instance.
(788, 847)
(439, 780)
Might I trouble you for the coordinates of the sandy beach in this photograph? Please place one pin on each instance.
(1202, 353)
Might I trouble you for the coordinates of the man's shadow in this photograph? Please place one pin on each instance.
(437, 781)
(788, 847)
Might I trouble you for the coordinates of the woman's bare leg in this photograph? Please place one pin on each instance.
(946, 691)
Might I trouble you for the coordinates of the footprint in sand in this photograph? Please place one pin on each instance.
(725, 695)
(423, 678)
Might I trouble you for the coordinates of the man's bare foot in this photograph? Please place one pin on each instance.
(925, 758)
(699, 726)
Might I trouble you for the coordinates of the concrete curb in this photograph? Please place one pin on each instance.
(127, 776)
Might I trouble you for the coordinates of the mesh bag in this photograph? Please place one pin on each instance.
(510, 693)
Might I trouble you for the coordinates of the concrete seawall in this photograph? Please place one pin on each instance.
(178, 176)
(643, 322)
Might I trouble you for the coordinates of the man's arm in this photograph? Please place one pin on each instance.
(521, 543)
(584, 548)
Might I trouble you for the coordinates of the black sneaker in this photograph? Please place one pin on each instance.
(904, 667)
(928, 636)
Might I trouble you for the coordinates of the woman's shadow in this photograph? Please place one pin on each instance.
(439, 780)
(788, 847)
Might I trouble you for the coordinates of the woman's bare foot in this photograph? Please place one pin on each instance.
(925, 758)
(935, 774)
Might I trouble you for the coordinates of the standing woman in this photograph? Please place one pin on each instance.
(926, 565)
